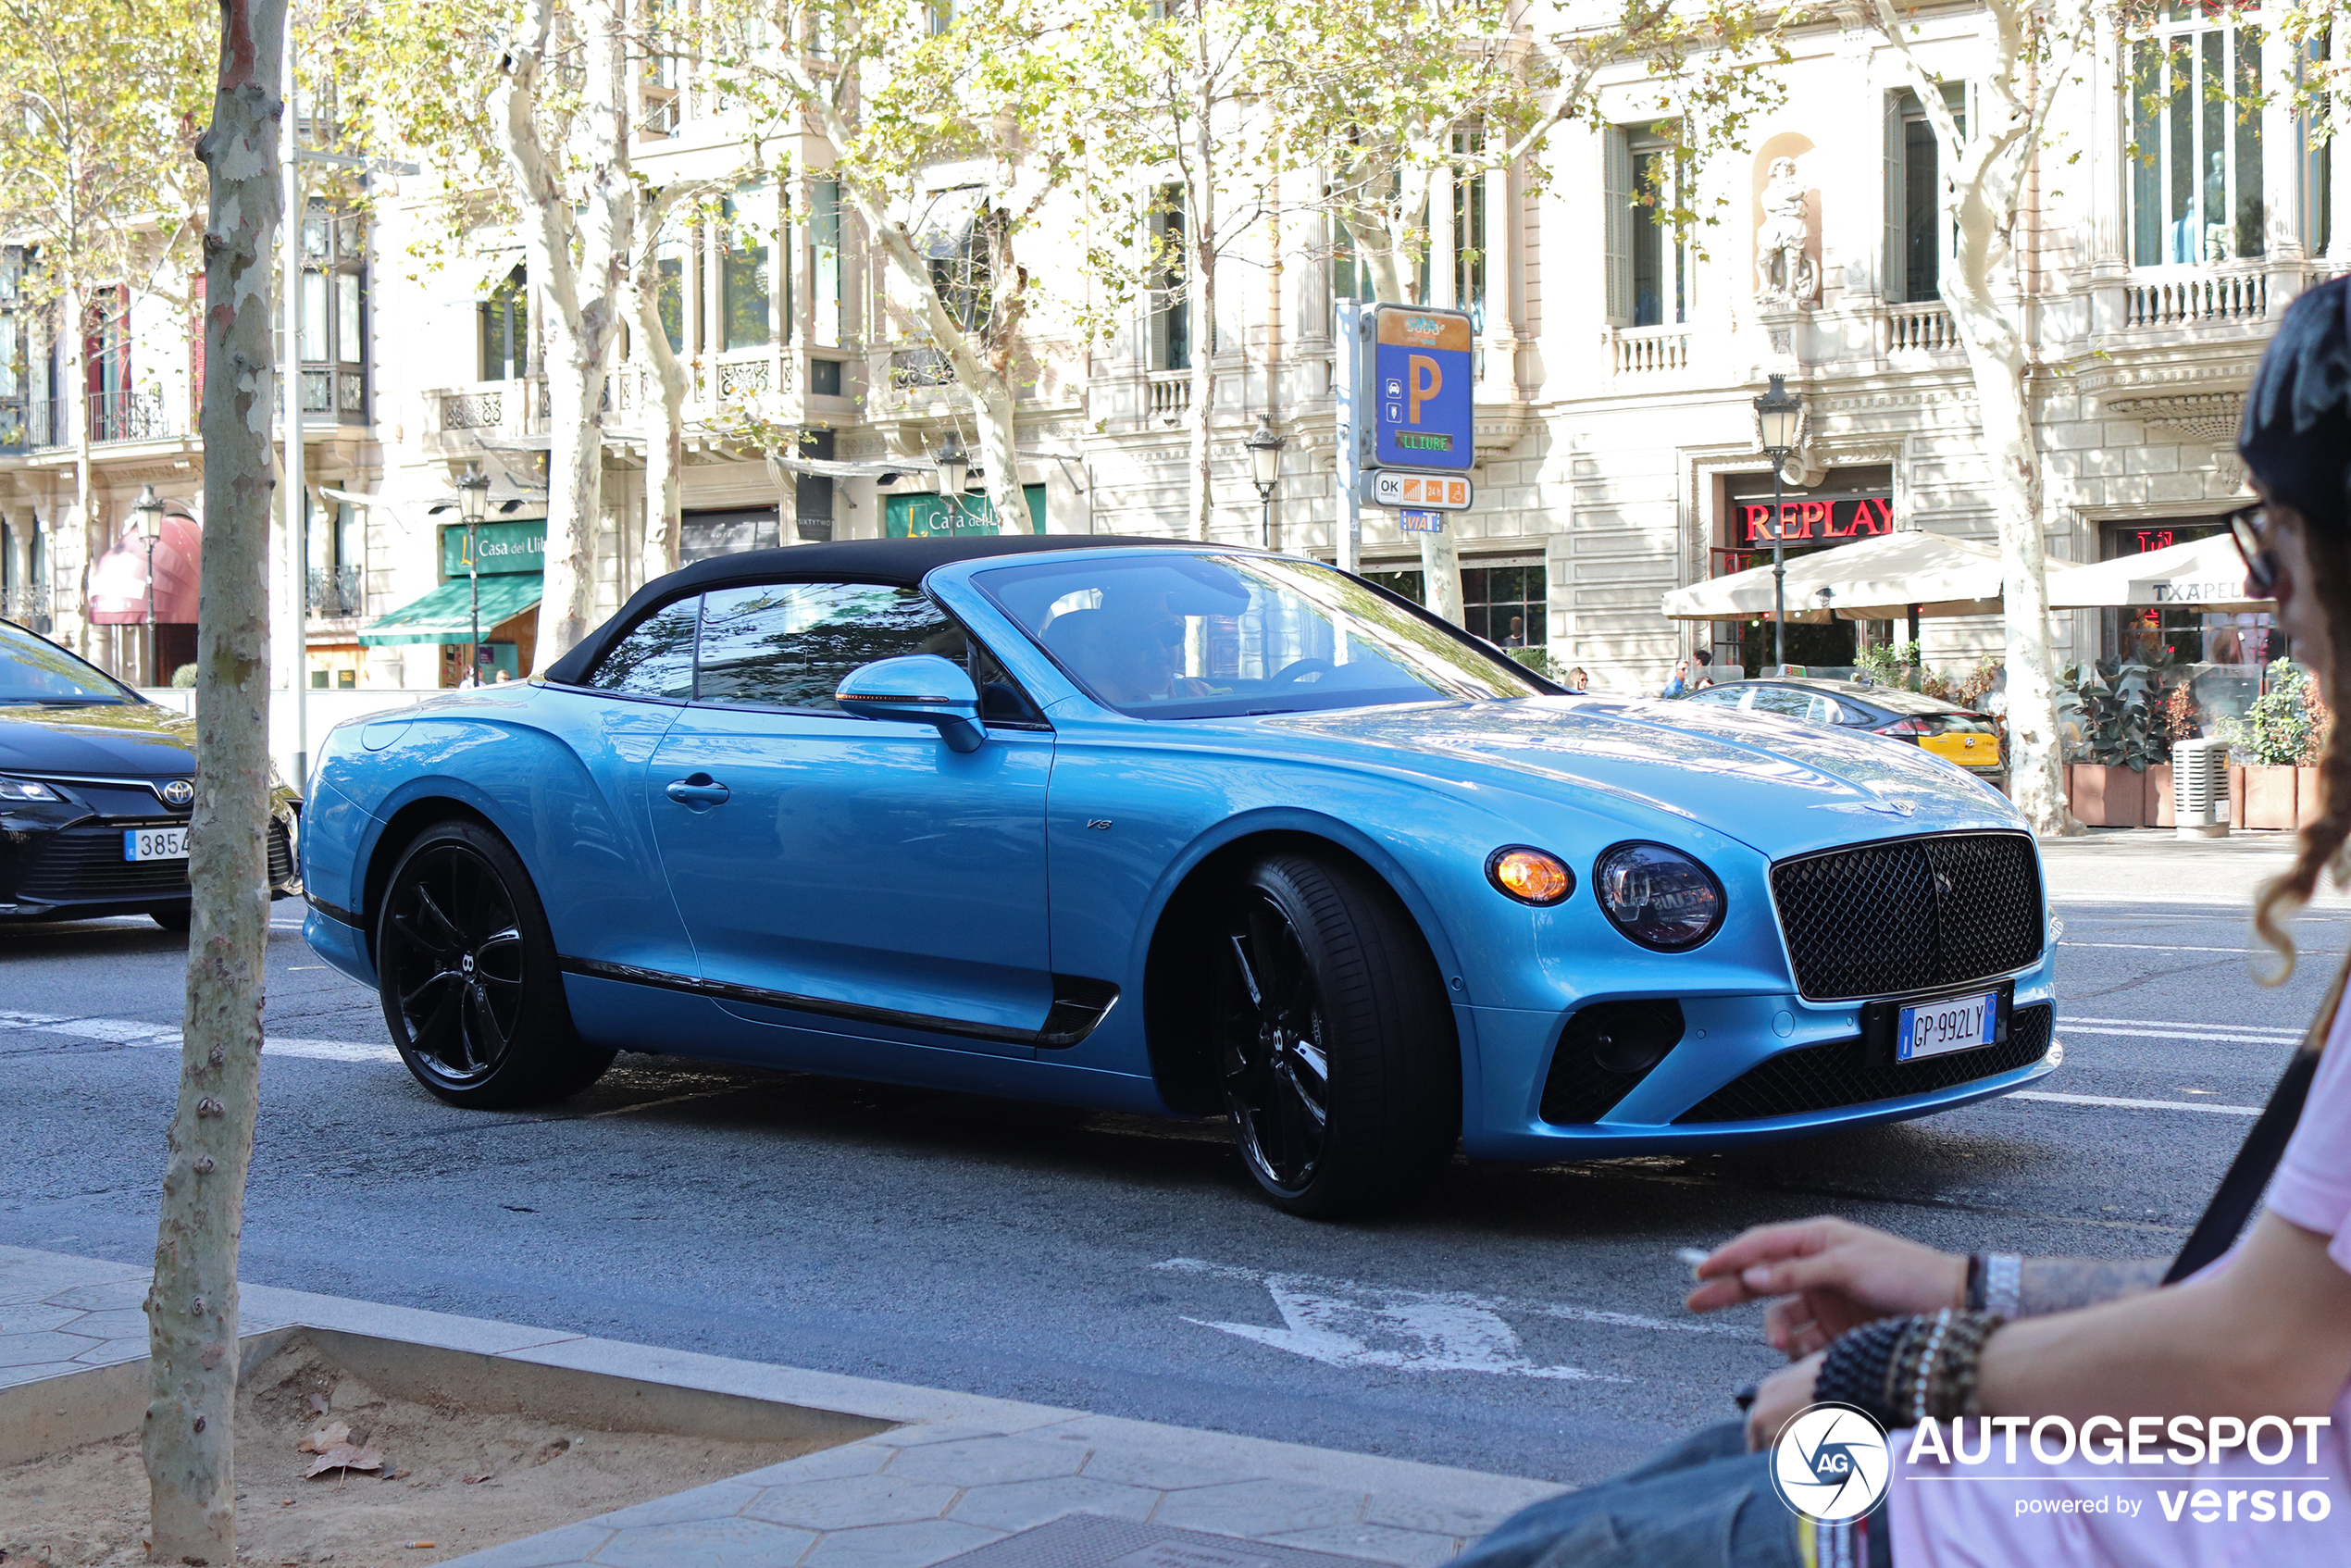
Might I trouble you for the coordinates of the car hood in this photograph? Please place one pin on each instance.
(134, 740)
(1780, 786)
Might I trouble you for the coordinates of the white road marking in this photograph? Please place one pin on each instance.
(1343, 1323)
(2281, 1032)
(2111, 1100)
(2180, 947)
(163, 1037)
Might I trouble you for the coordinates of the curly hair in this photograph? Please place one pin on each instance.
(2322, 842)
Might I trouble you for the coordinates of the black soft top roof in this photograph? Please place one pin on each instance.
(902, 563)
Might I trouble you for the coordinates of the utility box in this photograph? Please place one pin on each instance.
(2200, 789)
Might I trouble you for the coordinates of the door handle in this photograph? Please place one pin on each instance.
(697, 791)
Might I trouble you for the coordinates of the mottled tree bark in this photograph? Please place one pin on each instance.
(192, 1310)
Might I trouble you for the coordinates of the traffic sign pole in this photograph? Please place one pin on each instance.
(1350, 438)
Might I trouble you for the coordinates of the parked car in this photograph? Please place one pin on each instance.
(1957, 735)
(96, 788)
(1175, 830)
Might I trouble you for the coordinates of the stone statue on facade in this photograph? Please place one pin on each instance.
(1785, 274)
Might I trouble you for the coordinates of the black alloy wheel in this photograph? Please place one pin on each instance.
(466, 968)
(1335, 1047)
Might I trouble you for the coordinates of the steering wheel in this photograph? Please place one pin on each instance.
(1299, 669)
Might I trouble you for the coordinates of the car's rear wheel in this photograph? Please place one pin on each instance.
(1341, 1067)
(466, 968)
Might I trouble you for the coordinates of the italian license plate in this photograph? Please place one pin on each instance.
(1936, 1028)
(155, 844)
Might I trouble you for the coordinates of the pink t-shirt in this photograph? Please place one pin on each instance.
(2005, 1513)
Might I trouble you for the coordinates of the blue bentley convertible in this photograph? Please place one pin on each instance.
(1174, 830)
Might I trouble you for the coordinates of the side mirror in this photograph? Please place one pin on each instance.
(919, 689)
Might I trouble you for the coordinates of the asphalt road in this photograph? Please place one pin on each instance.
(1523, 1321)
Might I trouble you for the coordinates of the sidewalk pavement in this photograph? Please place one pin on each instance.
(956, 1473)
(2155, 866)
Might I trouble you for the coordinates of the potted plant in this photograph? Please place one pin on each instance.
(2270, 742)
(2114, 744)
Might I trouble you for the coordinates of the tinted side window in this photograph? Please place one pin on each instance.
(787, 645)
(1727, 696)
(656, 659)
(1002, 701)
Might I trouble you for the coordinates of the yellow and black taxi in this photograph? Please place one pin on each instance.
(96, 788)
(1957, 735)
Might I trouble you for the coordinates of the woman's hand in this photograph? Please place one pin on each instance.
(1830, 1276)
(1780, 1396)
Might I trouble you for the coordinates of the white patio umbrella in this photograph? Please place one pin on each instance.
(1871, 579)
(2204, 574)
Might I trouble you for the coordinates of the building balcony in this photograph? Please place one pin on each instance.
(28, 604)
(336, 591)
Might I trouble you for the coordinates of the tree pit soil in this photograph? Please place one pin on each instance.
(460, 1480)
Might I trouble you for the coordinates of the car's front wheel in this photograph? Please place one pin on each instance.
(1340, 1066)
(467, 967)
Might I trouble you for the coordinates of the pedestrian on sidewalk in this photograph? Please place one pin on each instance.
(2240, 1329)
(1681, 681)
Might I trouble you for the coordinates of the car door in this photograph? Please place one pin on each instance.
(858, 870)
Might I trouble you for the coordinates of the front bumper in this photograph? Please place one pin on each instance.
(1748, 1069)
(75, 870)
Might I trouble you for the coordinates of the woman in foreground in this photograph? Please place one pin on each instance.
(1908, 1333)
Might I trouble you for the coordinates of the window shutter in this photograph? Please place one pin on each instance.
(1616, 223)
(1892, 279)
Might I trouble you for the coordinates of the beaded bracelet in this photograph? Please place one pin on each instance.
(1905, 1370)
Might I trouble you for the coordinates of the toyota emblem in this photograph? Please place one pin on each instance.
(179, 792)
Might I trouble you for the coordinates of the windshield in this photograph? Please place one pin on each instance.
(33, 669)
(1215, 636)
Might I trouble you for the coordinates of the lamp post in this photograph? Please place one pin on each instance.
(1779, 420)
(1266, 473)
(149, 513)
(473, 504)
(955, 468)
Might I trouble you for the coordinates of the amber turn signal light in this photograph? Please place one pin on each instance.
(1530, 876)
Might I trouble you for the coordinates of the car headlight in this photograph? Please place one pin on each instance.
(1659, 897)
(27, 790)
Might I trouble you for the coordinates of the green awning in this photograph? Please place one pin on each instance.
(446, 615)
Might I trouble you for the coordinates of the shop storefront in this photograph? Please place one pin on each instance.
(1848, 504)
(490, 600)
(2182, 633)
(1505, 599)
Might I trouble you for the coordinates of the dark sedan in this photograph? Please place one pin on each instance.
(96, 784)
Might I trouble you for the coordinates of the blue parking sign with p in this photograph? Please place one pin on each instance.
(1422, 360)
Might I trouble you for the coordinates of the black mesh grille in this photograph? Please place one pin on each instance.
(280, 853)
(1911, 915)
(82, 864)
(1821, 1077)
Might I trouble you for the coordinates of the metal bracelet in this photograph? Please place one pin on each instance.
(2003, 1284)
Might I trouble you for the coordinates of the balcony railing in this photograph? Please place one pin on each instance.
(2194, 298)
(920, 367)
(1169, 393)
(1644, 351)
(129, 416)
(1921, 329)
(27, 603)
(335, 591)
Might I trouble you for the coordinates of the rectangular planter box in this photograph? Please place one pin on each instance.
(2268, 796)
(2306, 796)
(2160, 803)
(2237, 796)
(2107, 796)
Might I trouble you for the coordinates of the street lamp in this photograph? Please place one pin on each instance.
(955, 468)
(1779, 420)
(1264, 472)
(473, 504)
(148, 511)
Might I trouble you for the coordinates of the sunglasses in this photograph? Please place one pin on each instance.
(2249, 527)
